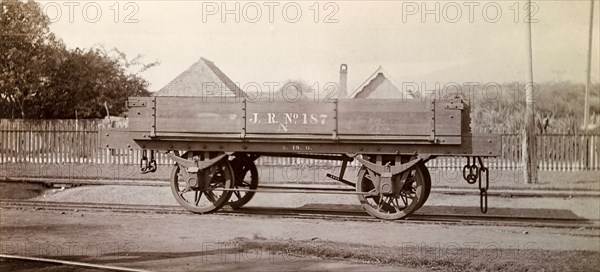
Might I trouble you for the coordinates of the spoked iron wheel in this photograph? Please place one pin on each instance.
(193, 199)
(427, 188)
(389, 206)
(246, 177)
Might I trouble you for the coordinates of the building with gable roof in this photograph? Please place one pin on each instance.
(203, 79)
(379, 85)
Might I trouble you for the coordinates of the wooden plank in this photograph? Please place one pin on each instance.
(511, 151)
(588, 152)
(129, 156)
(3, 142)
(559, 158)
(69, 142)
(596, 157)
(555, 157)
(562, 153)
(513, 154)
(84, 142)
(595, 152)
(10, 140)
(38, 143)
(447, 121)
(60, 141)
(35, 139)
(54, 145)
(140, 113)
(117, 138)
(198, 115)
(567, 153)
(301, 117)
(21, 145)
(57, 140)
(475, 145)
(15, 141)
(571, 151)
(383, 117)
(92, 146)
(545, 151)
(582, 153)
(48, 142)
(583, 150)
(518, 154)
(26, 142)
(16, 136)
(578, 153)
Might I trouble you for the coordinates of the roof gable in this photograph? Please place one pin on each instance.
(203, 78)
(379, 85)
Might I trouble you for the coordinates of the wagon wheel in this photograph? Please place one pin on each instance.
(427, 188)
(246, 177)
(387, 206)
(203, 201)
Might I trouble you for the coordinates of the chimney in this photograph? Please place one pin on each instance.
(343, 82)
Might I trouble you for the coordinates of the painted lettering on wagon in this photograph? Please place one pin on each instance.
(286, 119)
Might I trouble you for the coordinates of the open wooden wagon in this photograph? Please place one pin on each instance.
(215, 141)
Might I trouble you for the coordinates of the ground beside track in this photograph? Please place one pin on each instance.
(204, 242)
(193, 242)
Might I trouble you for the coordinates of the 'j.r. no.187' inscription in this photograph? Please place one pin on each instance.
(284, 120)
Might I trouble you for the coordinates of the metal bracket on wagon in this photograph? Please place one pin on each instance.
(386, 174)
(193, 166)
(390, 170)
(147, 165)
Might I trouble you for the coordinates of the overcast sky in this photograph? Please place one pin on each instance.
(471, 41)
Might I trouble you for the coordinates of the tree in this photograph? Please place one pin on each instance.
(26, 46)
(84, 81)
(40, 78)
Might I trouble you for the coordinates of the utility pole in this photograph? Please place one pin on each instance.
(529, 147)
(586, 108)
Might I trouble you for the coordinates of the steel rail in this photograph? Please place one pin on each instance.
(329, 186)
(309, 213)
(71, 263)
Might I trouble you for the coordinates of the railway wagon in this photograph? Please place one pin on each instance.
(214, 143)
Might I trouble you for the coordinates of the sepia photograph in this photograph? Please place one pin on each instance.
(307, 135)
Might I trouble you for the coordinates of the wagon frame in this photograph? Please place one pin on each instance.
(215, 141)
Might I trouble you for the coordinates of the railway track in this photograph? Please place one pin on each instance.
(311, 213)
(64, 265)
(501, 191)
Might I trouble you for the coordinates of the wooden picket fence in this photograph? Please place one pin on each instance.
(76, 141)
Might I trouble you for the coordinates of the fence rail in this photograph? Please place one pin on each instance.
(76, 141)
